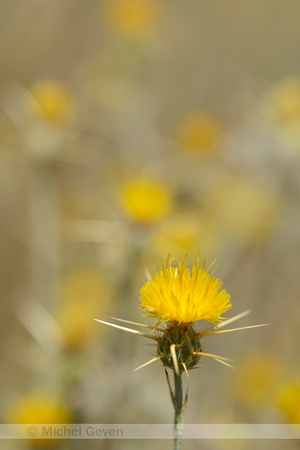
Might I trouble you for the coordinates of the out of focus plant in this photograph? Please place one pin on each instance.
(145, 200)
(284, 100)
(246, 209)
(281, 109)
(84, 294)
(185, 232)
(131, 18)
(50, 100)
(199, 132)
(289, 400)
(40, 407)
(255, 381)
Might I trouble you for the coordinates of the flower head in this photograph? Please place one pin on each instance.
(145, 200)
(40, 407)
(199, 132)
(289, 400)
(256, 380)
(285, 100)
(246, 208)
(84, 293)
(132, 18)
(180, 295)
(51, 100)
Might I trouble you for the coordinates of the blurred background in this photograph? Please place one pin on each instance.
(130, 129)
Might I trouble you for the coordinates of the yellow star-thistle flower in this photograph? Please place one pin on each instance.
(200, 132)
(51, 100)
(39, 408)
(145, 200)
(131, 18)
(289, 400)
(284, 100)
(180, 295)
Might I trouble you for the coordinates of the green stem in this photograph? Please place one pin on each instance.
(179, 413)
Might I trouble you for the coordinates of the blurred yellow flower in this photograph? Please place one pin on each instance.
(74, 319)
(246, 209)
(51, 100)
(40, 407)
(177, 234)
(145, 200)
(199, 132)
(285, 100)
(132, 18)
(84, 294)
(289, 401)
(183, 234)
(255, 380)
(83, 284)
(281, 107)
(180, 295)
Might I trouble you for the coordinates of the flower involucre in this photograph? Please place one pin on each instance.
(180, 295)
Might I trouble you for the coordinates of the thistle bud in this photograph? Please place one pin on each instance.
(183, 337)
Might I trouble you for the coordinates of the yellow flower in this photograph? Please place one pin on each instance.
(51, 100)
(180, 295)
(145, 200)
(285, 100)
(281, 106)
(199, 132)
(39, 408)
(132, 18)
(182, 234)
(84, 294)
(289, 401)
(255, 381)
(246, 210)
(74, 318)
(83, 284)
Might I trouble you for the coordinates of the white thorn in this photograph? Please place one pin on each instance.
(139, 324)
(148, 362)
(140, 333)
(185, 369)
(174, 357)
(233, 329)
(225, 363)
(210, 355)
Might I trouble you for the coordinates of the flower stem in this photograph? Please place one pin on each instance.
(179, 411)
